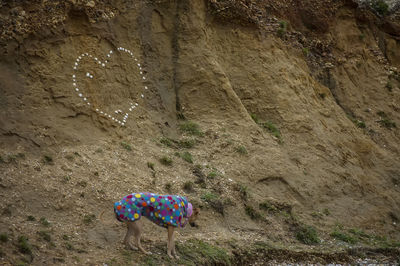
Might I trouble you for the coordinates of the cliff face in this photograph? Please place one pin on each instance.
(297, 103)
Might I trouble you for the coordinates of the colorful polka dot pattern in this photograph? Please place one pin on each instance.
(163, 210)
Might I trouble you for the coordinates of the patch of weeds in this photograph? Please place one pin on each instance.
(202, 253)
(43, 221)
(77, 154)
(96, 173)
(187, 143)
(358, 232)
(357, 122)
(255, 118)
(69, 246)
(343, 237)
(282, 28)
(89, 218)
(99, 150)
(48, 159)
(271, 128)
(252, 213)
(2, 254)
(361, 37)
(241, 149)
(11, 158)
(168, 186)
(1, 159)
(201, 178)
(82, 183)
(23, 245)
(191, 128)
(326, 211)
(126, 146)
(213, 174)
(385, 121)
(267, 206)
(322, 95)
(3, 237)
(209, 196)
(243, 191)
(187, 157)
(65, 237)
(380, 7)
(188, 186)
(20, 155)
(306, 51)
(307, 235)
(44, 235)
(66, 179)
(389, 86)
(31, 218)
(165, 160)
(168, 142)
(150, 165)
(214, 201)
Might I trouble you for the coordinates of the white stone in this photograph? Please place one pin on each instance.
(144, 77)
(75, 67)
(97, 110)
(76, 89)
(73, 76)
(145, 87)
(103, 65)
(138, 65)
(91, 76)
(136, 104)
(80, 94)
(84, 99)
(111, 51)
(142, 96)
(87, 74)
(123, 124)
(74, 84)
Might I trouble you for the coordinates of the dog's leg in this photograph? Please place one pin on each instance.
(128, 236)
(137, 229)
(171, 242)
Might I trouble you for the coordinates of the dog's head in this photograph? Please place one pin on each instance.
(194, 216)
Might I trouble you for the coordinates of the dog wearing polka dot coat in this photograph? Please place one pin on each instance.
(168, 211)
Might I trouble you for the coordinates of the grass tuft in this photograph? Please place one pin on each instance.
(24, 246)
(44, 222)
(188, 186)
(126, 146)
(307, 235)
(252, 213)
(165, 160)
(241, 149)
(191, 128)
(3, 237)
(89, 218)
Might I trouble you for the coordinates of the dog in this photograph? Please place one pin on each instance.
(169, 211)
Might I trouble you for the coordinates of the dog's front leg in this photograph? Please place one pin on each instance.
(170, 243)
(128, 236)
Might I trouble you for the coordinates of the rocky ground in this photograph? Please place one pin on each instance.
(279, 119)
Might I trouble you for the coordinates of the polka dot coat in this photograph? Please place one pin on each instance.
(163, 210)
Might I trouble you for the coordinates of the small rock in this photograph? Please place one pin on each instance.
(90, 4)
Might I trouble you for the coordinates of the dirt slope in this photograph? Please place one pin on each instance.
(297, 104)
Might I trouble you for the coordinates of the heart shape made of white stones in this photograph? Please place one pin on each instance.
(90, 75)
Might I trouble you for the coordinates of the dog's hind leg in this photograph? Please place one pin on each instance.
(128, 236)
(137, 229)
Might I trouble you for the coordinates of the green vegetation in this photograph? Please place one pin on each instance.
(126, 146)
(389, 86)
(187, 143)
(187, 157)
(191, 128)
(213, 174)
(11, 158)
(243, 191)
(202, 253)
(31, 218)
(307, 235)
(1, 159)
(343, 237)
(267, 206)
(306, 51)
(175, 144)
(252, 213)
(188, 186)
(322, 95)
(24, 246)
(165, 160)
(241, 149)
(385, 121)
(3, 237)
(214, 201)
(283, 27)
(88, 218)
(380, 7)
(48, 159)
(357, 122)
(44, 235)
(150, 165)
(44, 222)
